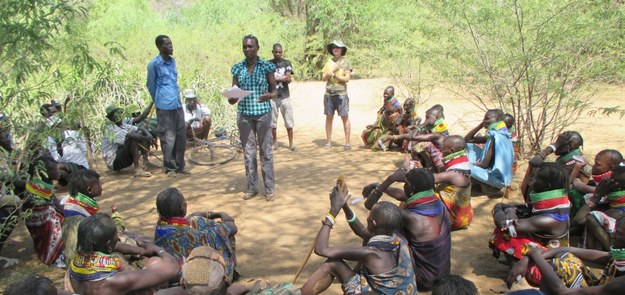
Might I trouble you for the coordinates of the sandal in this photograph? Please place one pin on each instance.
(347, 147)
(328, 145)
(7, 262)
(142, 173)
(270, 197)
(249, 195)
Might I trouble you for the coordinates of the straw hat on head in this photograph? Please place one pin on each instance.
(337, 43)
(189, 93)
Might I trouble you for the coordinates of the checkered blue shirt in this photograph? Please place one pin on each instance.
(257, 83)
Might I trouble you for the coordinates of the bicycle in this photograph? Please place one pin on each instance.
(215, 151)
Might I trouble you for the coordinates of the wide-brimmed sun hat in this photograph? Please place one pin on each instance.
(339, 44)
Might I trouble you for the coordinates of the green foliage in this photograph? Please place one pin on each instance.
(28, 31)
(206, 37)
(500, 52)
(608, 111)
(536, 60)
(42, 48)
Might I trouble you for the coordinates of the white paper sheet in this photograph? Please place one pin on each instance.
(357, 199)
(236, 92)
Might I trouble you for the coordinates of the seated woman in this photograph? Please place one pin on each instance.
(179, 234)
(454, 184)
(491, 164)
(84, 188)
(431, 132)
(46, 216)
(95, 270)
(387, 116)
(406, 122)
(435, 120)
(556, 276)
(542, 223)
(568, 149)
(600, 212)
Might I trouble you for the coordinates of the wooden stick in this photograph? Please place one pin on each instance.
(312, 247)
(340, 183)
(149, 152)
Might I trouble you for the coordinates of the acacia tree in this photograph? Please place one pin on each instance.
(536, 60)
(30, 58)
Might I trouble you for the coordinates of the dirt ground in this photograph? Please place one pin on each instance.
(275, 237)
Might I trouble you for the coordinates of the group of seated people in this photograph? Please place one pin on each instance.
(101, 255)
(565, 200)
(406, 244)
(402, 127)
(195, 253)
(126, 138)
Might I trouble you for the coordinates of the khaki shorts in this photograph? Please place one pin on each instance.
(282, 105)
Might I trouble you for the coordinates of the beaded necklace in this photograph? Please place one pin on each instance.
(94, 266)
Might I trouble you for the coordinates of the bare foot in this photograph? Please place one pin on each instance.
(113, 208)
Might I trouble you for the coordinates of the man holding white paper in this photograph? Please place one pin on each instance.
(254, 116)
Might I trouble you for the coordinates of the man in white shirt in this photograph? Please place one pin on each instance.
(66, 145)
(120, 143)
(196, 116)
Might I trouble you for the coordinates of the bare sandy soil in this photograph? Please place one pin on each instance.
(275, 237)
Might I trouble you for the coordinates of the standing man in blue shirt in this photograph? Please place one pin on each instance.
(254, 116)
(163, 86)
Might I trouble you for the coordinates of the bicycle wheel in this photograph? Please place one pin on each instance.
(212, 154)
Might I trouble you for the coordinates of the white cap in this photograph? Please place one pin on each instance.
(189, 93)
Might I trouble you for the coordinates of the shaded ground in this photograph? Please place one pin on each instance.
(274, 237)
